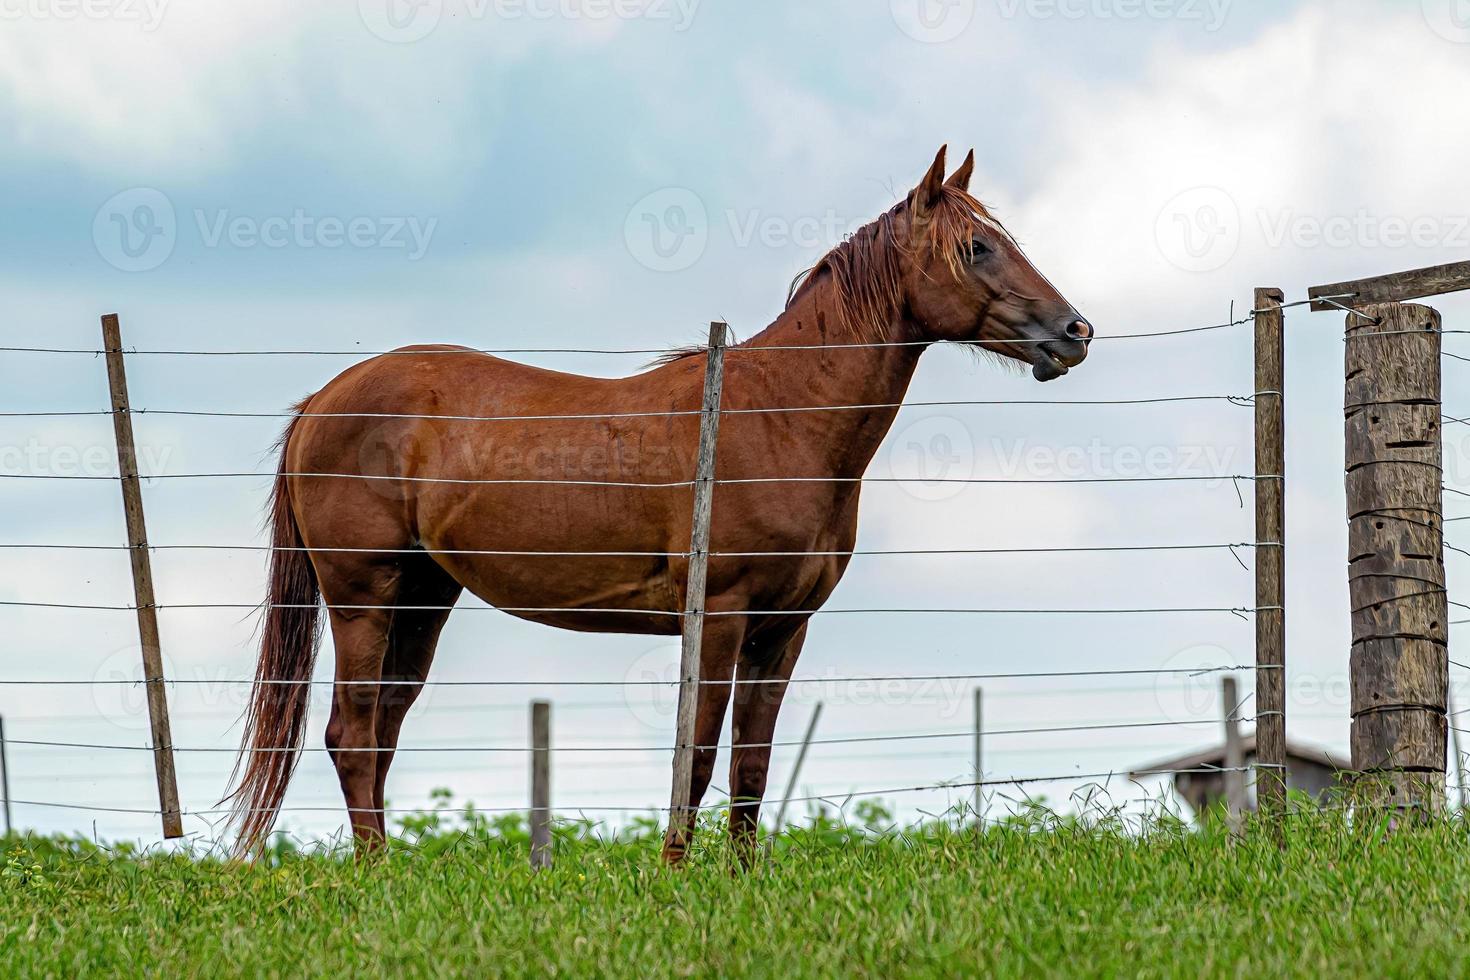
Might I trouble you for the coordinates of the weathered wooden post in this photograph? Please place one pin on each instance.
(540, 784)
(5, 778)
(148, 635)
(1270, 557)
(1400, 609)
(681, 810)
(1236, 802)
(979, 752)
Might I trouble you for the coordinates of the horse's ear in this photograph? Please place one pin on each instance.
(961, 177)
(925, 198)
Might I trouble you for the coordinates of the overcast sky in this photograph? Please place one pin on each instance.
(554, 173)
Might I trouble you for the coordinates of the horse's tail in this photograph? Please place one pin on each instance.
(275, 721)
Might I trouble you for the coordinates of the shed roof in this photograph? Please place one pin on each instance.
(1215, 757)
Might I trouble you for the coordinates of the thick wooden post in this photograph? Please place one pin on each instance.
(5, 778)
(1270, 556)
(806, 743)
(1400, 618)
(681, 807)
(148, 635)
(1235, 795)
(540, 784)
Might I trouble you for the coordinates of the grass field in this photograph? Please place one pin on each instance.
(1033, 895)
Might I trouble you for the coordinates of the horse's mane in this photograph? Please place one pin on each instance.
(866, 268)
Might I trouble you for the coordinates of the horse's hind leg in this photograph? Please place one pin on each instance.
(360, 637)
(361, 596)
(411, 643)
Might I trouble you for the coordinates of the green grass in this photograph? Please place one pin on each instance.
(1034, 895)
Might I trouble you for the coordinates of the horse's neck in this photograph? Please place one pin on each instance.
(869, 371)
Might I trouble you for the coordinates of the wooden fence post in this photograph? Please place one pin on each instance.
(1395, 460)
(806, 743)
(148, 636)
(681, 809)
(979, 751)
(1459, 755)
(1235, 796)
(540, 784)
(1270, 557)
(5, 778)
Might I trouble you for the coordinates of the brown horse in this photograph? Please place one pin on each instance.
(566, 500)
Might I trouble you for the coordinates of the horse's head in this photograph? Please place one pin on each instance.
(965, 279)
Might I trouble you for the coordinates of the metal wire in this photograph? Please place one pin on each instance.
(858, 552)
(1240, 611)
(1026, 675)
(737, 349)
(1242, 401)
(828, 797)
(663, 485)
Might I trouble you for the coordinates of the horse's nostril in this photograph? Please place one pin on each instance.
(1079, 330)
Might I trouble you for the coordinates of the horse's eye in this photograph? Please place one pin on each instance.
(978, 250)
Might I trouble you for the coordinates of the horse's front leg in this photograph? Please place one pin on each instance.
(719, 647)
(758, 695)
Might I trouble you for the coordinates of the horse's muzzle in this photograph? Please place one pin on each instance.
(1054, 358)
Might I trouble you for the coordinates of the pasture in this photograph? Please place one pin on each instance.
(1033, 895)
